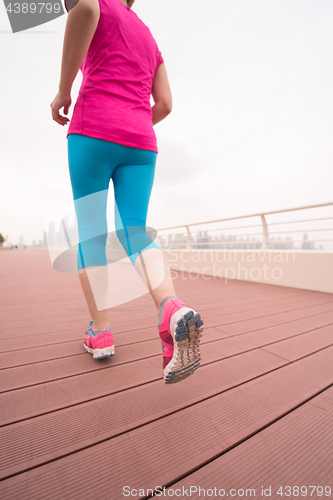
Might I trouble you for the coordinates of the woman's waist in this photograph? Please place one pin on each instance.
(113, 102)
(124, 92)
(130, 116)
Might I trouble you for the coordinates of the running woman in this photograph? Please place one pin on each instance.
(111, 136)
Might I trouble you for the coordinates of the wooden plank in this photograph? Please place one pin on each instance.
(34, 442)
(63, 332)
(34, 373)
(295, 451)
(303, 345)
(165, 450)
(134, 350)
(63, 410)
(126, 317)
(249, 325)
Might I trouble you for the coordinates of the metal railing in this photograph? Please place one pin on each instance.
(195, 239)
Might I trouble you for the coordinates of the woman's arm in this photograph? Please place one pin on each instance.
(81, 25)
(161, 94)
(82, 21)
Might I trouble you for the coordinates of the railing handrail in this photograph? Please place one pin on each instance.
(259, 214)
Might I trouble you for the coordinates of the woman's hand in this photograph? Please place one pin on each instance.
(61, 100)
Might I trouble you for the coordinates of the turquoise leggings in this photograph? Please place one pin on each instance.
(92, 163)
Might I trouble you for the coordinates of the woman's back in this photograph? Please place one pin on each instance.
(118, 73)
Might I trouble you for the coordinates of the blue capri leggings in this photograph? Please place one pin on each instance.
(92, 163)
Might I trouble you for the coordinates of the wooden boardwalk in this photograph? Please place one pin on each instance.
(257, 413)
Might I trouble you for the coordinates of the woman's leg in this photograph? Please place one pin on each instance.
(133, 183)
(99, 317)
(90, 176)
(180, 328)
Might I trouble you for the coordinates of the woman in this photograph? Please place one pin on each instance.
(111, 136)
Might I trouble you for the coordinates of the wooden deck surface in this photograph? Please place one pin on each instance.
(257, 413)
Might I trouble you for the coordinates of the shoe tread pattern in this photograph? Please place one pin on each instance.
(187, 335)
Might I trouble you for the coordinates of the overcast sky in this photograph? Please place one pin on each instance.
(251, 126)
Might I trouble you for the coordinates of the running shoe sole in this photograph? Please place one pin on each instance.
(100, 353)
(186, 330)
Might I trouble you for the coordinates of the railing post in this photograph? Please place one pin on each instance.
(190, 239)
(265, 232)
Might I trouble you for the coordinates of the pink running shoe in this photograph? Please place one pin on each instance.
(180, 329)
(100, 344)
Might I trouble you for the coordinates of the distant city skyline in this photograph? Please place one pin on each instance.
(57, 237)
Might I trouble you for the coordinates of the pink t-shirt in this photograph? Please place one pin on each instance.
(118, 71)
